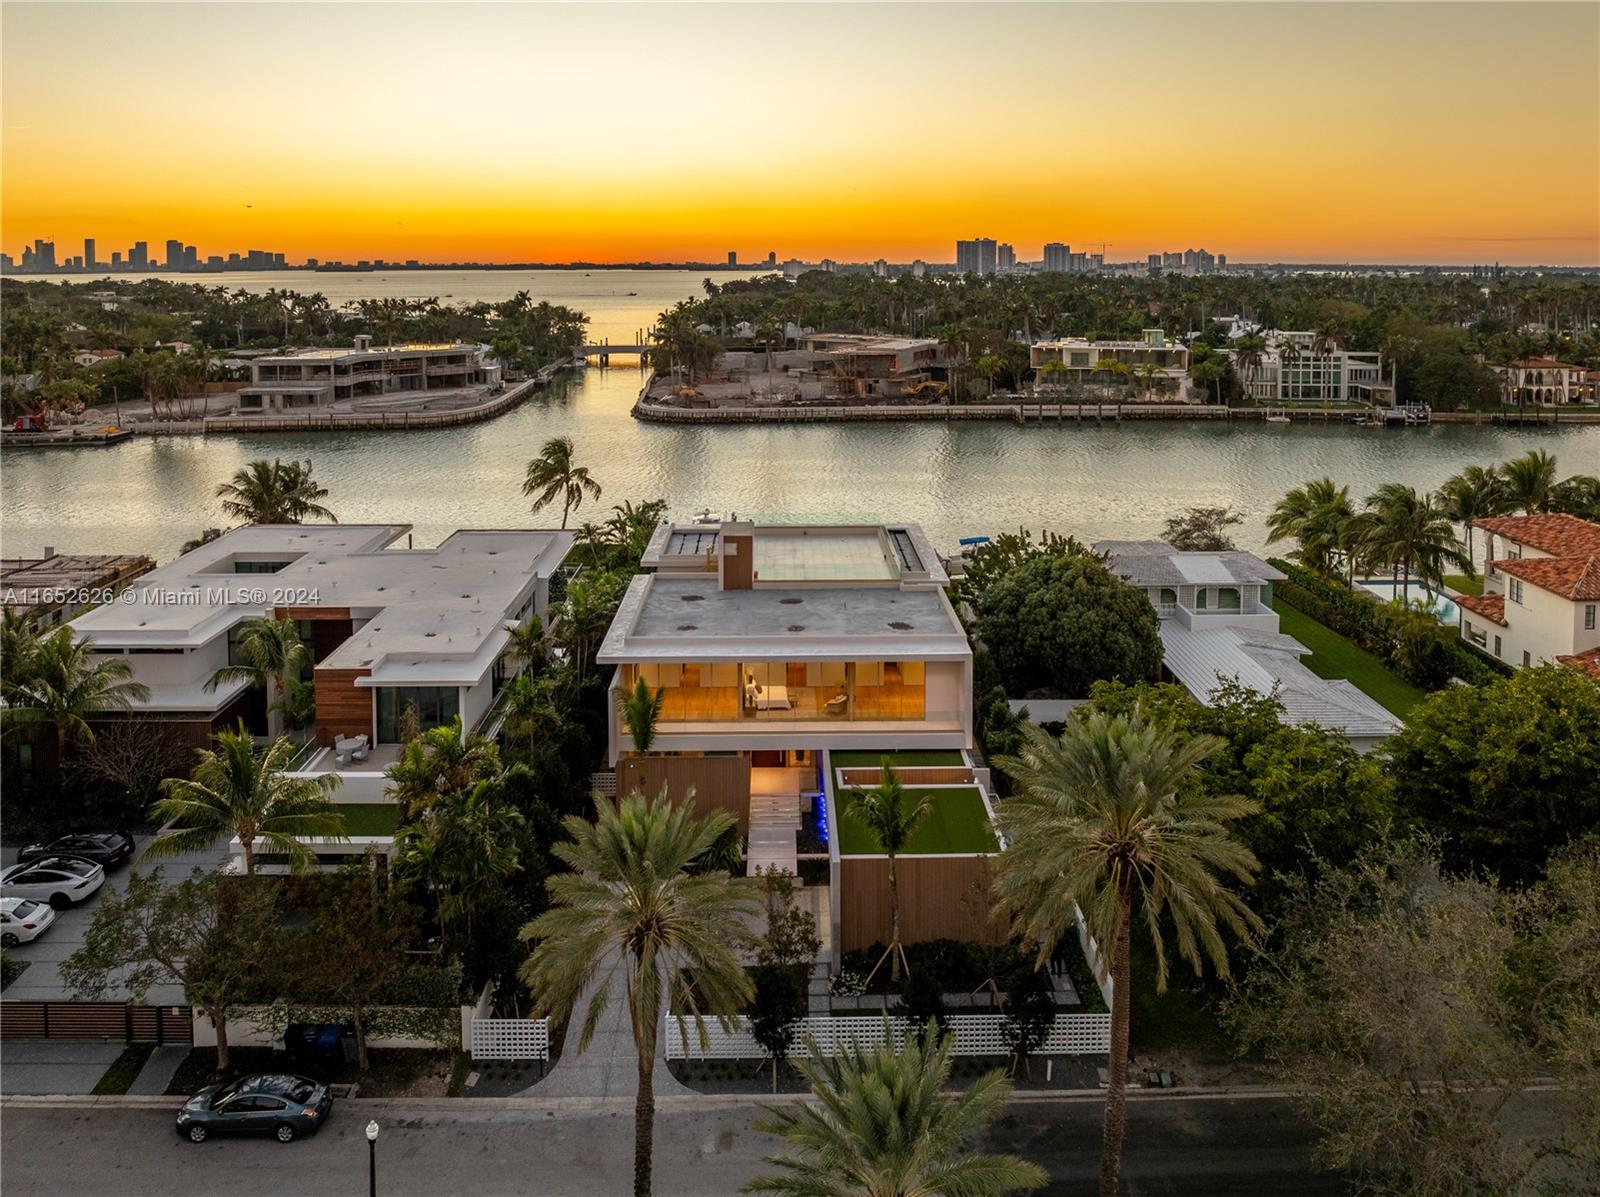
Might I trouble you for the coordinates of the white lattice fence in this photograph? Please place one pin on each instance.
(975, 1035)
(510, 1039)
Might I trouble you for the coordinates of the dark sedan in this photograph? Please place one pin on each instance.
(267, 1103)
(107, 849)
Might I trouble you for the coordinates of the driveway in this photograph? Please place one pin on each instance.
(41, 981)
(55, 1066)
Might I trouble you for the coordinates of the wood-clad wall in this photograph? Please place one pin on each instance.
(719, 782)
(343, 708)
(941, 897)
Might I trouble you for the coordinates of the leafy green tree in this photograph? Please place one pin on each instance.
(882, 1125)
(1202, 529)
(553, 475)
(631, 908)
(640, 709)
(1107, 822)
(275, 492)
(780, 1003)
(1065, 622)
(891, 815)
(237, 790)
(60, 682)
(584, 616)
(990, 562)
(1529, 481)
(1029, 1014)
(271, 653)
(1312, 516)
(1505, 773)
(442, 760)
(210, 934)
(462, 846)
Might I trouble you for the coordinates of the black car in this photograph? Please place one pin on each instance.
(266, 1103)
(106, 848)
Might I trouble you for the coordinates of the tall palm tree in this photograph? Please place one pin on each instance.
(1248, 353)
(552, 475)
(891, 815)
(1413, 535)
(441, 760)
(274, 492)
(640, 709)
(19, 650)
(1529, 481)
(631, 908)
(271, 654)
(1312, 514)
(1476, 493)
(1105, 823)
(883, 1126)
(60, 682)
(238, 790)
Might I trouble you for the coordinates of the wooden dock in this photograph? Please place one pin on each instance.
(1016, 413)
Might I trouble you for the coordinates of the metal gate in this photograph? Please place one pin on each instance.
(95, 1022)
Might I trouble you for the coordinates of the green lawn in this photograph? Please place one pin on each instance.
(369, 818)
(957, 823)
(902, 760)
(1462, 584)
(1332, 656)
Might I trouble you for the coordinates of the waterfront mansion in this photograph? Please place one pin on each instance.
(319, 378)
(1541, 592)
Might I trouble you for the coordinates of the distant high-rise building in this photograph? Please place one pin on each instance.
(6, 263)
(191, 258)
(880, 269)
(44, 254)
(1095, 262)
(1222, 261)
(116, 259)
(214, 262)
(1005, 257)
(139, 256)
(234, 261)
(1172, 261)
(1155, 261)
(919, 268)
(174, 258)
(826, 264)
(976, 256)
(772, 259)
(89, 262)
(1057, 257)
(279, 261)
(793, 268)
(733, 257)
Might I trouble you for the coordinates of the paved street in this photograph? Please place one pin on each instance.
(1177, 1146)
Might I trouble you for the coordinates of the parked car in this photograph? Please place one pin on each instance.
(268, 1103)
(107, 849)
(22, 919)
(58, 880)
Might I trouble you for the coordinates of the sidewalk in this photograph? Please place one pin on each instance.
(609, 1066)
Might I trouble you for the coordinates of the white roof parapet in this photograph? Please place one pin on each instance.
(1156, 563)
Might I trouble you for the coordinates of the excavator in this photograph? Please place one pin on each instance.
(926, 391)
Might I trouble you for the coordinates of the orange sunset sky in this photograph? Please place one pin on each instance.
(1351, 132)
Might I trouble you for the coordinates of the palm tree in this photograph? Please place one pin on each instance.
(1412, 534)
(463, 846)
(274, 492)
(239, 791)
(1474, 494)
(1248, 353)
(19, 650)
(526, 643)
(59, 681)
(1312, 514)
(552, 475)
(640, 708)
(271, 654)
(882, 1126)
(1529, 481)
(631, 906)
(1105, 824)
(891, 815)
(441, 760)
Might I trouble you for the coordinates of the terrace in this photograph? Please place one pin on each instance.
(957, 825)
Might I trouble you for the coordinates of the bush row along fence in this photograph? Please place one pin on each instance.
(1370, 624)
(975, 1035)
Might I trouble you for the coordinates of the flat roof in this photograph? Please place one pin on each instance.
(824, 555)
(958, 823)
(688, 618)
(352, 353)
(1156, 563)
(431, 616)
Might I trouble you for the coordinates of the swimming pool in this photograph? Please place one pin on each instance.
(1444, 610)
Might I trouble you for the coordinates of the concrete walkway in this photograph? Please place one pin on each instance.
(158, 1070)
(609, 1066)
(55, 1066)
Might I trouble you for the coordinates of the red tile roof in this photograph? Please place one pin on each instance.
(1558, 535)
(1570, 577)
(1541, 363)
(1491, 606)
(1584, 662)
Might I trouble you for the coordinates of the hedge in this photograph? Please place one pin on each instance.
(1376, 627)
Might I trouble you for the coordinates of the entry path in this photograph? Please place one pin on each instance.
(609, 1066)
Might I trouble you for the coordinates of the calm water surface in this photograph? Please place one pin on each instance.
(150, 494)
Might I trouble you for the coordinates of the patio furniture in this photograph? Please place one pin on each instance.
(838, 703)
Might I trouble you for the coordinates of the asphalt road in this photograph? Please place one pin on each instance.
(1179, 1146)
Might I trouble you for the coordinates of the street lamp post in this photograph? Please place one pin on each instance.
(372, 1158)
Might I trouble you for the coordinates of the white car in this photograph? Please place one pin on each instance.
(58, 880)
(22, 919)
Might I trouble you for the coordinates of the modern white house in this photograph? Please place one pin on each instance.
(388, 626)
(1541, 591)
(1217, 624)
(1291, 370)
(790, 661)
(309, 378)
(1084, 358)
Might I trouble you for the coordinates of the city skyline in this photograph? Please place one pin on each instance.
(1204, 125)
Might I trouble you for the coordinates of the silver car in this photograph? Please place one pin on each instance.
(61, 881)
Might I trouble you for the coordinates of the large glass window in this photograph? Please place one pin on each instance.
(258, 567)
(436, 706)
